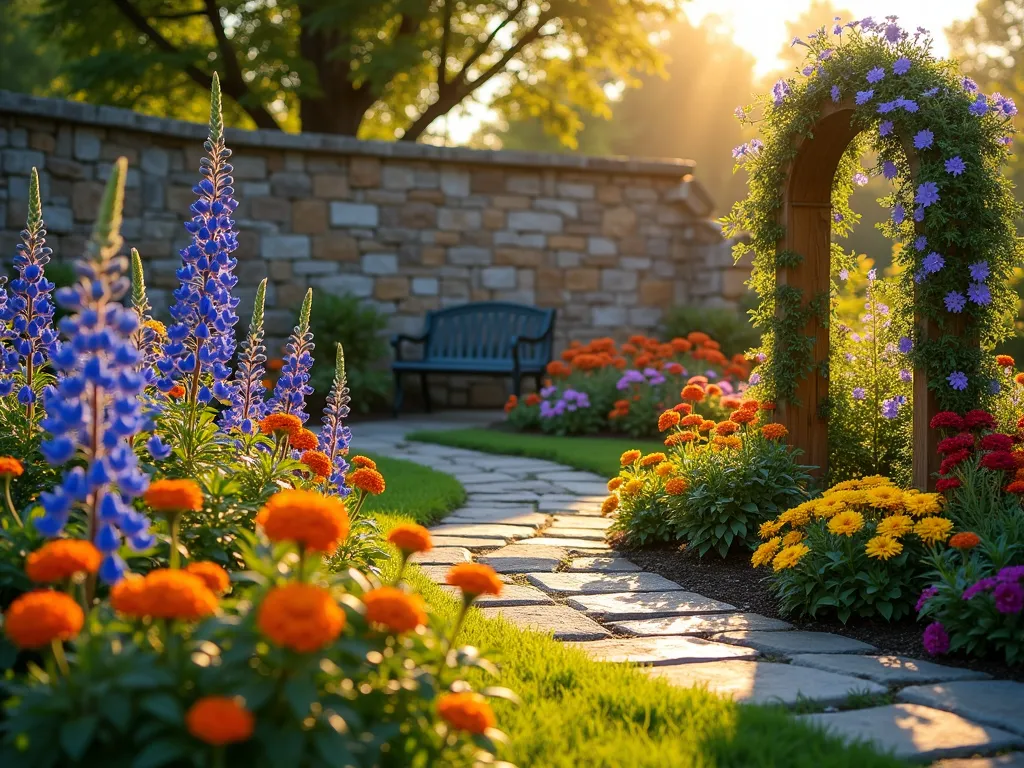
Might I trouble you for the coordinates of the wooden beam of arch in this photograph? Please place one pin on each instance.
(806, 215)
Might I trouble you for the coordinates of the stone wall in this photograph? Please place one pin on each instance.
(611, 243)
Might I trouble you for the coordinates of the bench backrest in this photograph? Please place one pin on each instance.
(482, 331)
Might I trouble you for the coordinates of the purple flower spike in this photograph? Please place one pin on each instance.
(335, 436)
(292, 385)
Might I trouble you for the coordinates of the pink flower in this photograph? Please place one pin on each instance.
(1009, 597)
(935, 639)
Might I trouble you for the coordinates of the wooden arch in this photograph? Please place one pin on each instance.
(807, 217)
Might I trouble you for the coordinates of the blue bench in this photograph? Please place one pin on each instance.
(485, 338)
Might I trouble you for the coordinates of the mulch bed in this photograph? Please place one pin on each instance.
(733, 581)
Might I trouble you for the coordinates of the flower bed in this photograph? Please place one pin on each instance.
(602, 387)
(187, 570)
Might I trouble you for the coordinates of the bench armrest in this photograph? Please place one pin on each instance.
(398, 338)
(517, 341)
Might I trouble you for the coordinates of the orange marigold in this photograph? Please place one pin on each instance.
(397, 610)
(475, 579)
(727, 442)
(692, 392)
(1017, 486)
(766, 406)
(693, 420)
(511, 403)
(214, 577)
(713, 390)
(681, 345)
(614, 483)
(679, 438)
(35, 619)
(1019, 378)
(667, 420)
(220, 720)
(467, 711)
(317, 462)
(127, 595)
(1004, 361)
(533, 399)
(310, 519)
(279, 424)
(677, 486)
(609, 505)
(363, 461)
(774, 431)
(965, 540)
(684, 408)
(651, 459)
(177, 391)
(369, 480)
(743, 417)
(169, 594)
(10, 466)
(174, 496)
(726, 428)
(697, 337)
(632, 487)
(303, 440)
(61, 559)
(664, 469)
(302, 617)
(629, 457)
(706, 426)
(410, 537)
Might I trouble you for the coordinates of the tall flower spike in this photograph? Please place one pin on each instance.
(201, 342)
(247, 392)
(150, 333)
(95, 407)
(293, 383)
(28, 312)
(334, 435)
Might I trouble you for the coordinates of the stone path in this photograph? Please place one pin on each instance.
(539, 525)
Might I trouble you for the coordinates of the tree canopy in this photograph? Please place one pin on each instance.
(385, 69)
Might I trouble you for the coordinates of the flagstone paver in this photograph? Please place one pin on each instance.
(995, 702)
(700, 625)
(663, 651)
(442, 556)
(538, 520)
(602, 565)
(888, 670)
(524, 558)
(593, 583)
(761, 682)
(622, 606)
(788, 643)
(562, 621)
(913, 731)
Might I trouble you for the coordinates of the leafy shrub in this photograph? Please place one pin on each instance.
(729, 327)
(858, 550)
(714, 486)
(357, 326)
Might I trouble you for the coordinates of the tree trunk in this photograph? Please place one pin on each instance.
(339, 107)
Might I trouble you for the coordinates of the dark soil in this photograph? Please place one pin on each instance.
(733, 581)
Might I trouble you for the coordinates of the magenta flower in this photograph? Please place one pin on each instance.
(935, 639)
(926, 595)
(1009, 597)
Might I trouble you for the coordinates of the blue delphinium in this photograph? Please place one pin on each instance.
(96, 405)
(201, 341)
(293, 384)
(246, 390)
(27, 314)
(334, 435)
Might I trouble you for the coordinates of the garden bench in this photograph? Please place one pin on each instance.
(484, 338)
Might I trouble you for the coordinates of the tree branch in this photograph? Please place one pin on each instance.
(259, 114)
(181, 15)
(483, 47)
(442, 67)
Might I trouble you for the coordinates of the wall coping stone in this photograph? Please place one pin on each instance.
(126, 119)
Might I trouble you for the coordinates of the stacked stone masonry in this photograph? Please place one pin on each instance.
(610, 243)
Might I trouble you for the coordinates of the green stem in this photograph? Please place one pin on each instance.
(175, 554)
(217, 758)
(466, 602)
(58, 656)
(10, 501)
(302, 562)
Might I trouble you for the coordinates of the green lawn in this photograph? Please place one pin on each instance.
(414, 491)
(576, 712)
(593, 454)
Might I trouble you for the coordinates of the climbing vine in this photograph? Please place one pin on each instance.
(953, 216)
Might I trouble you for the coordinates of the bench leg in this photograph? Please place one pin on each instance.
(399, 395)
(426, 393)
(517, 383)
(539, 379)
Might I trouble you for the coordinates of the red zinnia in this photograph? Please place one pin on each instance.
(947, 420)
(998, 460)
(996, 442)
(948, 484)
(952, 460)
(965, 440)
(978, 419)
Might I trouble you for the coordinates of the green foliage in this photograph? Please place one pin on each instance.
(730, 328)
(357, 327)
(971, 222)
(380, 70)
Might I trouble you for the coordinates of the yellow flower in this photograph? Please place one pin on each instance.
(895, 526)
(664, 469)
(849, 497)
(793, 537)
(629, 457)
(764, 553)
(799, 515)
(651, 459)
(933, 529)
(883, 547)
(789, 557)
(885, 497)
(769, 528)
(874, 481)
(633, 487)
(924, 504)
(156, 327)
(846, 523)
(828, 507)
(614, 483)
